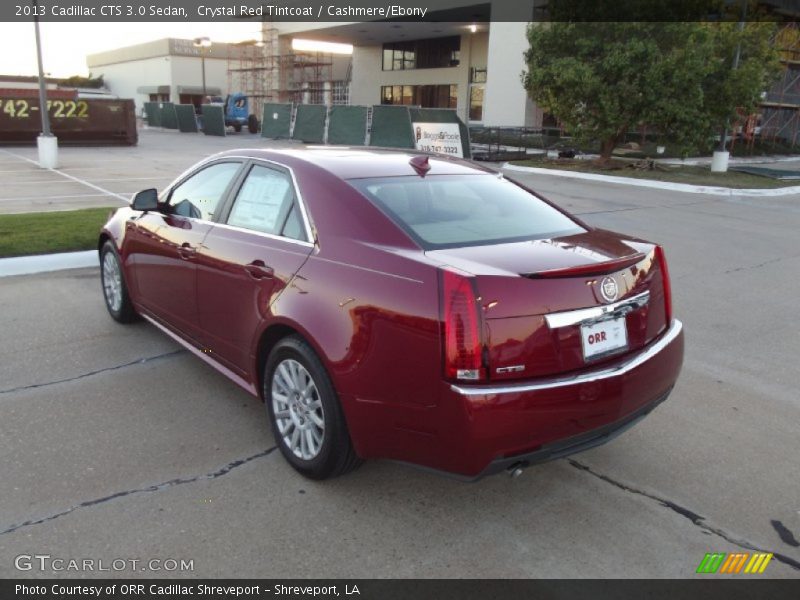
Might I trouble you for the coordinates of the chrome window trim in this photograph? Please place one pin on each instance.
(596, 313)
(271, 236)
(580, 378)
(300, 201)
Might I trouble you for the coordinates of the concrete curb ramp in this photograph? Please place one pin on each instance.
(661, 185)
(43, 263)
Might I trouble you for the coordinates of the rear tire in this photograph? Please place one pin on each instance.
(252, 124)
(115, 292)
(237, 127)
(305, 413)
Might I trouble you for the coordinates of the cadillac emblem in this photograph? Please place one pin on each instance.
(609, 289)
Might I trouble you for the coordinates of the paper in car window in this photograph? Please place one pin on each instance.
(259, 202)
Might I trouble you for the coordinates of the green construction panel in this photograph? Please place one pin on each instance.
(213, 119)
(780, 174)
(153, 114)
(309, 123)
(347, 125)
(391, 127)
(277, 120)
(169, 119)
(443, 115)
(187, 123)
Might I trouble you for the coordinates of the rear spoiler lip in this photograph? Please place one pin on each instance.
(589, 270)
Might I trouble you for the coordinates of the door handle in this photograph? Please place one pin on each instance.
(187, 251)
(258, 270)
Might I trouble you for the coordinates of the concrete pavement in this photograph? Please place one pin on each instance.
(106, 176)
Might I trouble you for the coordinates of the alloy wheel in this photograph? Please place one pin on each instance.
(112, 282)
(298, 410)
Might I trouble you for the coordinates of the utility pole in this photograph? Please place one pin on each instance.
(204, 44)
(47, 143)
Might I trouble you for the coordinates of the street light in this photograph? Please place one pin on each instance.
(204, 44)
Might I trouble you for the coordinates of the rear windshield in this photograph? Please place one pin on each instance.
(446, 211)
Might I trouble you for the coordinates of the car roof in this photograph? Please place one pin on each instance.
(358, 163)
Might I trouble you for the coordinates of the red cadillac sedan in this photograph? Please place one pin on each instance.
(393, 305)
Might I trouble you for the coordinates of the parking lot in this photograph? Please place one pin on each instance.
(118, 444)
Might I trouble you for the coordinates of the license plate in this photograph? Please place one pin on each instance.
(604, 337)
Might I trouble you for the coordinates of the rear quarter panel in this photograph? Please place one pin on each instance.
(367, 300)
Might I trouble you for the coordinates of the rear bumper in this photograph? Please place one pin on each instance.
(492, 427)
(573, 445)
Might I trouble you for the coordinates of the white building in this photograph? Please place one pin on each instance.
(470, 64)
(171, 70)
(162, 71)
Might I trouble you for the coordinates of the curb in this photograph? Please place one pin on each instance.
(734, 160)
(44, 263)
(662, 185)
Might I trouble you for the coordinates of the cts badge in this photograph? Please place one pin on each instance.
(609, 289)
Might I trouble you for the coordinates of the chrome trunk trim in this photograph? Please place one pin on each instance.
(578, 378)
(596, 313)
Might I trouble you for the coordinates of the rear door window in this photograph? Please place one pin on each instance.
(266, 203)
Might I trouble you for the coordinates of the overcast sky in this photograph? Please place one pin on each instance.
(65, 45)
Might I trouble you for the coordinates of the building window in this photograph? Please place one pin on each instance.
(476, 101)
(477, 75)
(340, 94)
(422, 54)
(477, 88)
(426, 96)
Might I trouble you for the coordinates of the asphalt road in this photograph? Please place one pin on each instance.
(117, 444)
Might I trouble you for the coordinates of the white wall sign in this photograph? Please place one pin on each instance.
(442, 138)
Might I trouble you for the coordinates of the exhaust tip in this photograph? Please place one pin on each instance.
(515, 470)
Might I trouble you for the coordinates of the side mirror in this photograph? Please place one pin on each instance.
(145, 200)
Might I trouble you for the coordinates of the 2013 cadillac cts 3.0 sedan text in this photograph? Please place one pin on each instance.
(393, 305)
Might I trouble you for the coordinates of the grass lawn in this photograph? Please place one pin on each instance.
(44, 233)
(695, 175)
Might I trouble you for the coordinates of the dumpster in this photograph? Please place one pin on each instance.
(89, 121)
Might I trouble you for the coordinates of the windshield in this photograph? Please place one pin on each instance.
(446, 211)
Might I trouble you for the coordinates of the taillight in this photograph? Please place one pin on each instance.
(463, 347)
(662, 264)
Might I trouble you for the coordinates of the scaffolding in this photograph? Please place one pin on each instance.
(254, 68)
(308, 78)
(269, 70)
(780, 109)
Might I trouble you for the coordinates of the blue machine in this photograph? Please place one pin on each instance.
(237, 111)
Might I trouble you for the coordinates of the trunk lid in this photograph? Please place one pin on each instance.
(544, 301)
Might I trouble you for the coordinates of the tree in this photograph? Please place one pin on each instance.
(603, 79)
(84, 82)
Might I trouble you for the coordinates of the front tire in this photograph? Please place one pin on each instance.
(305, 413)
(115, 292)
